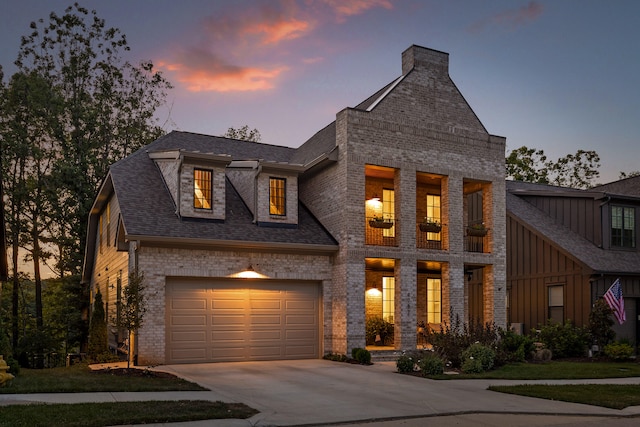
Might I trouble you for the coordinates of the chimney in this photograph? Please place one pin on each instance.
(422, 57)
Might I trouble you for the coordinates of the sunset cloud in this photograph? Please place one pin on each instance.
(346, 8)
(512, 18)
(248, 49)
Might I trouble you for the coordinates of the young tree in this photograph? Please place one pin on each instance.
(98, 338)
(132, 309)
(243, 133)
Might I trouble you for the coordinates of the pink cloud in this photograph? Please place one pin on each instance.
(512, 18)
(276, 32)
(345, 8)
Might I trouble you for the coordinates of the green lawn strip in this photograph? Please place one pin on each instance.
(615, 396)
(554, 370)
(120, 413)
(80, 379)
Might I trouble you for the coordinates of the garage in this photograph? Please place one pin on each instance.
(241, 320)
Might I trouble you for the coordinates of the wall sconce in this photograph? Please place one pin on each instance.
(249, 273)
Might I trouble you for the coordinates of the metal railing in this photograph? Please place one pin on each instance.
(381, 232)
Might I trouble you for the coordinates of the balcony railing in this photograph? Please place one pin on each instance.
(428, 240)
(474, 243)
(381, 233)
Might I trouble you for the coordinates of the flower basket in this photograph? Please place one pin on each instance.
(477, 230)
(430, 227)
(381, 223)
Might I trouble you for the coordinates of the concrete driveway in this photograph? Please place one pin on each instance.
(319, 392)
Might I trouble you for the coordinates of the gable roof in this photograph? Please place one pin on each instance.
(572, 244)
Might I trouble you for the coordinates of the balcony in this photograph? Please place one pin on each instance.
(475, 238)
(428, 240)
(381, 232)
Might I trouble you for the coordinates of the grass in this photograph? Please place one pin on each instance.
(555, 370)
(120, 413)
(615, 396)
(80, 379)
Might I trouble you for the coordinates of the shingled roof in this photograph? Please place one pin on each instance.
(572, 244)
(148, 209)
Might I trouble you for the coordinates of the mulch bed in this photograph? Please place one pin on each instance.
(134, 372)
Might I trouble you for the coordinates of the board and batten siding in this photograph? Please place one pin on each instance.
(533, 264)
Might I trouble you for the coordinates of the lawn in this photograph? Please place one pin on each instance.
(615, 396)
(555, 370)
(80, 379)
(120, 413)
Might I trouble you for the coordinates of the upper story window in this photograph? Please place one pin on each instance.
(623, 227)
(202, 188)
(433, 214)
(277, 196)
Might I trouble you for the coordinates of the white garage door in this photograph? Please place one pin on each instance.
(240, 321)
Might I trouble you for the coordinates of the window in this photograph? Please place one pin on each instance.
(277, 196)
(388, 211)
(623, 227)
(556, 303)
(202, 189)
(434, 300)
(388, 295)
(433, 213)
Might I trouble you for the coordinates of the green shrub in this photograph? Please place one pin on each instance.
(513, 347)
(362, 355)
(430, 364)
(600, 324)
(618, 351)
(378, 326)
(335, 357)
(565, 340)
(477, 358)
(454, 338)
(405, 363)
(98, 339)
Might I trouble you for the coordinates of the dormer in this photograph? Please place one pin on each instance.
(195, 180)
(269, 189)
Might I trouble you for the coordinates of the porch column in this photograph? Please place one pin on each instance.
(406, 276)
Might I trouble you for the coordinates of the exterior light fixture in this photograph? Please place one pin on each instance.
(249, 273)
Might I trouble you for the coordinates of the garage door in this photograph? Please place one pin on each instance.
(240, 321)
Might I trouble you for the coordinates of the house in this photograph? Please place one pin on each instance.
(565, 247)
(259, 252)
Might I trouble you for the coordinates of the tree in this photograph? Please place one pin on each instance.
(107, 111)
(601, 324)
(577, 170)
(632, 174)
(132, 309)
(98, 338)
(243, 133)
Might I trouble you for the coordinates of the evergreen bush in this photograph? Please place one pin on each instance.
(98, 346)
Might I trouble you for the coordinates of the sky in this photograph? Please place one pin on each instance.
(557, 75)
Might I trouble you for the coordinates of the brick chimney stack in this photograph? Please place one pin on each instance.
(422, 57)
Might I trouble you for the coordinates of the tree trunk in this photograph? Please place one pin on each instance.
(37, 276)
(15, 298)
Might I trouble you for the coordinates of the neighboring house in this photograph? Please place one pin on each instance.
(256, 252)
(565, 247)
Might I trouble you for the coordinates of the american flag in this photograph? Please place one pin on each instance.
(614, 298)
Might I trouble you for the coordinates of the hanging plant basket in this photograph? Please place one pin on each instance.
(380, 223)
(430, 227)
(477, 231)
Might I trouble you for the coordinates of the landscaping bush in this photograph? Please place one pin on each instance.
(513, 347)
(362, 355)
(454, 338)
(335, 357)
(600, 324)
(565, 340)
(618, 351)
(477, 358)
(405, 363)
(378, 326)
(430, 364)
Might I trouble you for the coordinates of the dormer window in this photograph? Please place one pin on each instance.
(202, 188)
(277, 196)
(623, 227)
